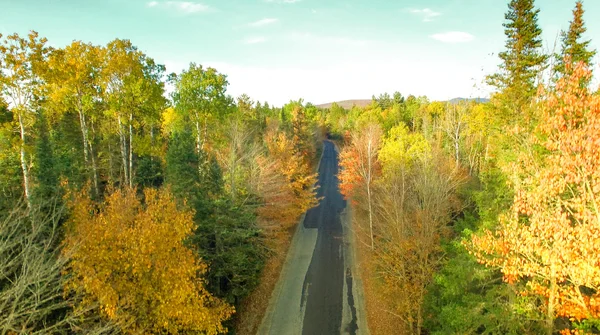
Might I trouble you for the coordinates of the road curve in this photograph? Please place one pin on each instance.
(317, 292)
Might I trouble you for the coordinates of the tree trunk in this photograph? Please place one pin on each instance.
(123, 150)
(369, 194)
(550, 311)
(24, 167)
(419, 315)
(198, 132)
(152, 143)
(84, 135)
(232, 169)
(94, 166)
(370, 216)
(111, 168)
(131, 150)
(88, 151)
(205, 132)
(457, 144)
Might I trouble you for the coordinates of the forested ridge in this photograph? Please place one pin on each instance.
(138, 201)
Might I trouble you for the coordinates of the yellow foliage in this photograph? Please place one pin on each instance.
(401, 149)
(130, 259)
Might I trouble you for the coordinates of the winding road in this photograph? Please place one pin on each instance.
(317, 292)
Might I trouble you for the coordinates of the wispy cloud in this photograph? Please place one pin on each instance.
(263, 22)
(327, 40)
(254, 40)
(453, 37)
(283, 1)
(186, 7)
(427, 14)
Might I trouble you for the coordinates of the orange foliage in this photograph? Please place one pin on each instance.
(349, 176)
(358, 161)
(286, 183)
(129, 259)
(551, 237)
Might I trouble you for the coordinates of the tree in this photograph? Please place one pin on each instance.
(45, 170)
(384, 100)
(358, 162)
(415, 198)
(120, 72)
(72, 84)
(22, 61)
(453, 124)
(130, 259)
(573, 49)
(182, 171)
(200, 94)
(286, 184)
(226, 236)
(133, 91)
(553, 226)
(522, 58)
(11, 178)
(398, 98)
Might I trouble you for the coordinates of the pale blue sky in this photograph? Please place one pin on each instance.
(277, 50)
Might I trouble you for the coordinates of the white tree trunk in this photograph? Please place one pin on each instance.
(94, 166)
(131, 150)
(369, 158)
(88, 150)
(123, 150)
(24, 167)
(84, 135)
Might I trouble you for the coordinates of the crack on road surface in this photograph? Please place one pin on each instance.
(352, 327)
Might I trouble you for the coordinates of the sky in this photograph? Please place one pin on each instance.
(317, 50)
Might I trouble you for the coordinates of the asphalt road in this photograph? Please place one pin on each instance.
(317, 292)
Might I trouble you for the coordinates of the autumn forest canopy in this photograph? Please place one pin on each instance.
(130, 208)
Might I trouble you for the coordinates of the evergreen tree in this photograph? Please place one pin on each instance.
(45, 172)
(522, 58)
(182, 165)
(11, 190)
(572, 45)
(226, 236)
(149, 172)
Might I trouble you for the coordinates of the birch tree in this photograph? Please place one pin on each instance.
(22, 60)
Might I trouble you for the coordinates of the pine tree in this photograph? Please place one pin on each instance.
(522, 58)
(572, 46)
(182, 165)
(45, 172)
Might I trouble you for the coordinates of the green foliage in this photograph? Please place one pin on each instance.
(182, 167)
(227, 237)
(45, 171)
(149, 172)
(522, 58)
(11, 190)
(572, 45)
(230, 242)
(68, 150)
(467, 298)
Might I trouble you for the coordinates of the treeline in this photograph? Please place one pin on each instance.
(483, 218)
(127, 210)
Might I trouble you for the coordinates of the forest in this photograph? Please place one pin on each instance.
(136, 201)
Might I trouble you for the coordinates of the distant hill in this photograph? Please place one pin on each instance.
(457, 100)
(347, 104)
